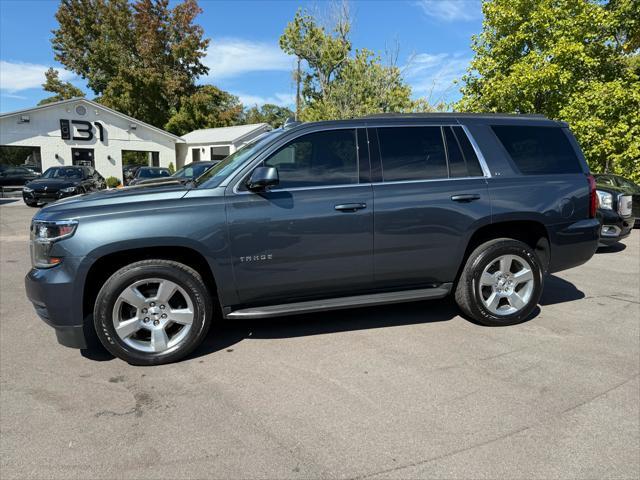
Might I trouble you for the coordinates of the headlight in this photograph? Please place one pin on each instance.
(27, 189)
(44, 235)
(68, 190)
(606, 200)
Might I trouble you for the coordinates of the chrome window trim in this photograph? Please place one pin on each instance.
(476, 149)
(318, 128)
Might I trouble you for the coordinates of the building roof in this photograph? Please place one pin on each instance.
(225, 135)
(95, 105)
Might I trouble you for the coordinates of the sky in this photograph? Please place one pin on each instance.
(432, 38)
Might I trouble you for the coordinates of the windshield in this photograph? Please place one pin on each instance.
(149, 173)
(58, 172)
(192, 171)
(215, 175)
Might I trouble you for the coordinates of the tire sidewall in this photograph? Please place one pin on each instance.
(487, 256)
(109, 293)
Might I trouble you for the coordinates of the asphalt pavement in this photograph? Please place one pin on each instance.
(404, 391)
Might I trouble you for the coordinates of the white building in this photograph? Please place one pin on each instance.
(216, 143)
(83, 132)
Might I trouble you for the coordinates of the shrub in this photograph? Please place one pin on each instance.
(172, 169)
(113, 182)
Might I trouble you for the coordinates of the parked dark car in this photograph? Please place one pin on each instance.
(60, 182)
(615, 211)
(185, 174)
(320, 216)
(626, 186)
(129, 172)
(149, 173)
(11, 176)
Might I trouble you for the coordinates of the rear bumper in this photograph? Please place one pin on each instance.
(574, 244)
(52, 293)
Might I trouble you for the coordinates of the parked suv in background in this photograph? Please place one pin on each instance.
(615, 211)
(320, 216)
(625, 187)
(60, 182)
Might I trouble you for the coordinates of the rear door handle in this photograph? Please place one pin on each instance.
(467, 197)
(350, 207)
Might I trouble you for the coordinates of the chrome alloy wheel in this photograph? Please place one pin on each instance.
(153, 315)
(506, 285)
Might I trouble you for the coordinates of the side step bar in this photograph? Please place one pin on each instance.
(342, 302)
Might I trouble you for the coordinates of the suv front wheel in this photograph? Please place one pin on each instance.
(153, 312)
(501, 283)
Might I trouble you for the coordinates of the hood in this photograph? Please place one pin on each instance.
(114, 200)
(611, 189)
(52, 184)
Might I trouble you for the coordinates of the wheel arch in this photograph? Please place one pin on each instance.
(108, 263)
(531, 232)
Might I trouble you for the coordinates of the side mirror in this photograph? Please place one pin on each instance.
(263, 178)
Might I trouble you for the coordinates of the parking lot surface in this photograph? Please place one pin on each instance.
(404, 391)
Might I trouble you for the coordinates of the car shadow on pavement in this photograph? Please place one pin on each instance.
(557, 290)
(615, 248)
(226, 333)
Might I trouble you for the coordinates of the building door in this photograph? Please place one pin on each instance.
(83, 156)
(195, 154)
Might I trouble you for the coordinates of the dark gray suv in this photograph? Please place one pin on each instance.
(320, 216)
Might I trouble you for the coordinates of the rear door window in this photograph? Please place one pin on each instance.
(463, 161)
(538, 150)
(412, 153)
(317, 159)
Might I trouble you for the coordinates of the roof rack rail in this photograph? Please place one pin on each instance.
(453, 114)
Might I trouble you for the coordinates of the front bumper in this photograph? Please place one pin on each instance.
(45, 197)
(52, 292)
(614, 227)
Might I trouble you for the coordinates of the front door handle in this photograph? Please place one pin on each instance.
(350, 207)
(467, 197)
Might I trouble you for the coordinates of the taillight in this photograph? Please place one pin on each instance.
(593, 197)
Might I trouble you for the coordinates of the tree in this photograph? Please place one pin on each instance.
(570, 60)
(208, 107)
(274, 115)
(335, 83)
(62, 90)
(141, 58)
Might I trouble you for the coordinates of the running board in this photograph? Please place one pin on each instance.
(342, 302)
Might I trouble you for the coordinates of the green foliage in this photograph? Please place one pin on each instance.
(10, 155)
(274, 115)
(113, 182)
(62, 90)
(208, 107)
(337, 84)
(132, 157)
(140, 58)
(172, 168)
(573, 60)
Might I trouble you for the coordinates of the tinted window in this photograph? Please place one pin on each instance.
(323, 158)
(62, 172)
(463, 162)
(412, 153)
(538, 150)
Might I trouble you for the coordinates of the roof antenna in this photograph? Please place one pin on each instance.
(289, 122)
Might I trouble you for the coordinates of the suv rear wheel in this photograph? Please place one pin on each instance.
(153, 312)
(501, 283)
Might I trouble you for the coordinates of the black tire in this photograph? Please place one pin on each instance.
(184, 276)
(468, 290)
(31, 204)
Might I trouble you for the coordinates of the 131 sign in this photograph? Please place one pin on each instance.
(82, 127)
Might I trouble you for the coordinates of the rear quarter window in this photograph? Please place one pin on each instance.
(538, 150)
